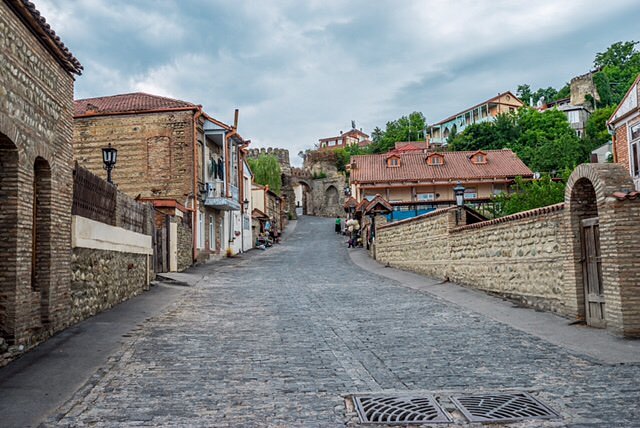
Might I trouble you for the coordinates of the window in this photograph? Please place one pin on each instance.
(425, 196)
(393, 161)
(212, 233)
(573, 116)
(470, 193)
(200, 230)
(634, 150)
(435, 160)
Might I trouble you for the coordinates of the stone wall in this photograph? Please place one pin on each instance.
(36, 104)
(101, 279)
(185, 244)
(519, 256)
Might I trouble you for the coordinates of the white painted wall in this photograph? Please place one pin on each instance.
(86, 233)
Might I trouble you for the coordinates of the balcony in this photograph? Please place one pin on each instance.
(217, 199)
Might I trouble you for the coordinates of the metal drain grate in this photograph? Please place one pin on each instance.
(399, 409)
(502, 407)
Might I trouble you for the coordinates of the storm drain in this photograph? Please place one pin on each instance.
(503, 407)
(399, 409)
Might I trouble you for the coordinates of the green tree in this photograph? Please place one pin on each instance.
(406, 128)
(550, 94)
(596, 132)
(528, 195)
(266, 171)
(543, 140)
(619, 66)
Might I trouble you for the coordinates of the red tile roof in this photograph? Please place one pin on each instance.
(43, 31)
(621, 196)
(128, 103)
(417, 145)
(457, 166)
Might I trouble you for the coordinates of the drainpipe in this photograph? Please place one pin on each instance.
(194, 218)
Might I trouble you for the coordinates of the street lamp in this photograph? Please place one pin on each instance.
(109, 158)
(245, 205)
(459, 192)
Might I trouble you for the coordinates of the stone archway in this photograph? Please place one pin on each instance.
(306, 199)
(9, 183)
(589, 204)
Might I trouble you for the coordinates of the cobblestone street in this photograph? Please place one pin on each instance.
(281, 337)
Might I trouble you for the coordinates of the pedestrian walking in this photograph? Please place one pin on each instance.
(338, 225)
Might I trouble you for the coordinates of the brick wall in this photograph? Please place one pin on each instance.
(622, 146)
(36, 105)
(155, 151)
(518, 256)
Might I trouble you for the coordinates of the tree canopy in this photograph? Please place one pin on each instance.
(266, 171)
(543, 140)
(529, 195)
(619, 66)
(406, 128)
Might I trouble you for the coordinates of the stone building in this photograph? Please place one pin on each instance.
(353, 137)
(169, 150)
(36, 183)
(625, 124)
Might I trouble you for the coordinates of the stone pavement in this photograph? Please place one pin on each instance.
(279, 339)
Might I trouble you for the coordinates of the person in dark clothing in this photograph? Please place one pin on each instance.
(338, 227)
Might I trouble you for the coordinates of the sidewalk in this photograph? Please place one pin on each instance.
(40, 381)
(595, 344)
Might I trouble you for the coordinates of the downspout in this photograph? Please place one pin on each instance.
(194, 219)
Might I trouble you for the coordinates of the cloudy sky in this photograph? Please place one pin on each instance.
(302, 70)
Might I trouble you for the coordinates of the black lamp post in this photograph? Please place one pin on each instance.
(245, 205)
(109, 158)
(459, 192)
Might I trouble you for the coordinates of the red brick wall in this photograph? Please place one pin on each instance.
(622, 146)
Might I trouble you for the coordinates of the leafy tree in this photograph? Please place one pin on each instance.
(543, 140)
(406, 128)
(343, 156)
(529, 195)
(619, 66)
(266, 171)
(596, 132)
(526, 94)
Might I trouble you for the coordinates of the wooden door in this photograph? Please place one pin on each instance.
(592, 274)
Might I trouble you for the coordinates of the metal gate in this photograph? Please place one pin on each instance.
(592, 273)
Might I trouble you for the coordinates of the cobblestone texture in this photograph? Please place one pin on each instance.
(280, 339)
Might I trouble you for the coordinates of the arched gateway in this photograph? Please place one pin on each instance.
(598, 217)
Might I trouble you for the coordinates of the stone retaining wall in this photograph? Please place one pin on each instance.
(519, 256)
(185, 245)
(100, 279)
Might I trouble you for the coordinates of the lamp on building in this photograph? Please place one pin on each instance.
(459, 192)
(245, 205)
(109, 158)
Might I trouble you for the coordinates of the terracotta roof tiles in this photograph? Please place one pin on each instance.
(456, 166)
(128, 103)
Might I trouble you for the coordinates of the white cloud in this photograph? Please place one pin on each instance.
(300, 71)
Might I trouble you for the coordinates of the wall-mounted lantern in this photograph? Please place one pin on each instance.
(109, 158)
(459, 192)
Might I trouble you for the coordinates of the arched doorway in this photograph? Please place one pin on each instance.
(306, 199)
(41, 236)
(584, 212)
(8, 234)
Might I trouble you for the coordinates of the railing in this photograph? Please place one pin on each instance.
(235, 192)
